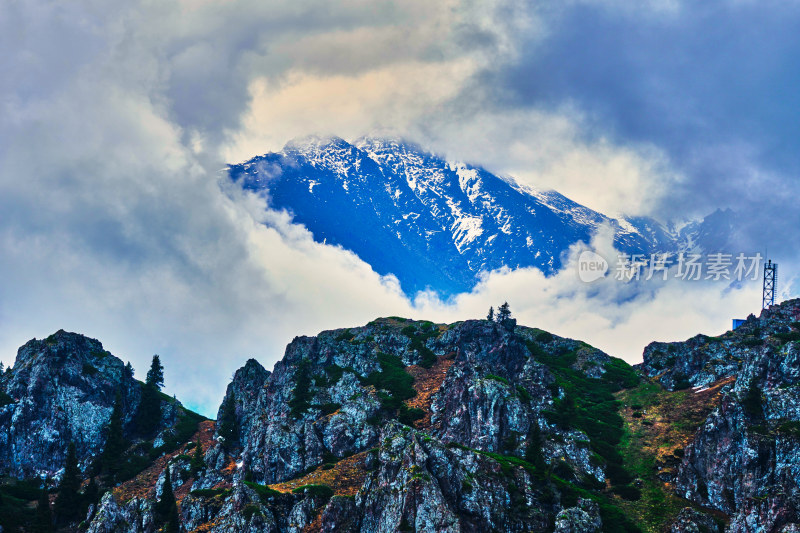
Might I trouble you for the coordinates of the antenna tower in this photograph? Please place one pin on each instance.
(770, 284)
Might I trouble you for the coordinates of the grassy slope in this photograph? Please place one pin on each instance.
(658, 425)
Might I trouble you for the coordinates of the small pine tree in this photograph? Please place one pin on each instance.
(155, 376)
(68, 502)
(503, 312)
(227, 420)
(44, 516)
(301, 394)
(567, 411)
(198, 460)
(111, 460)
(149, 414)
(534, 453)
(490, 316)
(752, 401)
(128, 372)
(165, 505)
(172, 524)
(2, 367)
(90, 496)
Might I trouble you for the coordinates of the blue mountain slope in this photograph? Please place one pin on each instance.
(434, 224)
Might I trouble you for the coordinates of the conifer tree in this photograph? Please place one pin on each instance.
(128, 371)
(44, 516)
(533, 454)
(155, 376)
(490, 316)
(172, 523)
(111, 460)
(503, 312)
(752, 401)
(149, 414)
(198, 460)
(166, 508)
(227, 420)
(68, 502)
(91, 495)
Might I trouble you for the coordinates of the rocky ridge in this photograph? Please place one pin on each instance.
(744, 459)
(413, 426)
(62, 390)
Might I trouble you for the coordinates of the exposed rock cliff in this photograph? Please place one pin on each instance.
(474, 426)
(402, 425)
(744, 460)
(62, 389)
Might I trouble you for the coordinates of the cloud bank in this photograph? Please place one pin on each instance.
(118, 118)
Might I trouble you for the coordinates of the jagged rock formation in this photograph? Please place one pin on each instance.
(62, 389)
(744, 460)
(413, 426)
(402, 425)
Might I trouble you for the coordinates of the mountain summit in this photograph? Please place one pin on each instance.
(438, 224)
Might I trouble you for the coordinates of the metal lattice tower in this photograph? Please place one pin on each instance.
(770, 283)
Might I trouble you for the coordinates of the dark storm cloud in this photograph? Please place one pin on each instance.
(714, 84)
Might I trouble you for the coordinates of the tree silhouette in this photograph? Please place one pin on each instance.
(227, 420)
(111, 460)
(68, 502)
(167, 507)
(149, 414)
(44, 516)
(503, 312)
(155, 376)
(198, 461)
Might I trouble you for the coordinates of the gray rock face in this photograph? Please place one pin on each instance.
(63, 389)
(583, 518)
(692, 521)
(135, 516)
(745, 458)
(336, 438)
(246, 386)
(478, 403)
(481, 390)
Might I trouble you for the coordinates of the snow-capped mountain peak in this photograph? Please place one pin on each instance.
(438, 224)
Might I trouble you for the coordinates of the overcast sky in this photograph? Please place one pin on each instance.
(115, 121)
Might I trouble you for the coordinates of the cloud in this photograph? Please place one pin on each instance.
(392, 97)
(113, 222)
(548, 150)
(117, 120)
(617, 317)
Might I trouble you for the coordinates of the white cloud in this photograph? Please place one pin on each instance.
(551, 150)
(394, 97)
(619, 318)
(118, 120)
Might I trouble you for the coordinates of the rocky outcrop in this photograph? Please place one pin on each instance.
(62, 389)
(135, 516)
(492, 393)
(693, 521)
(341, 437)
(703, 360)
(583, 518)
(245, 388)
(744, 461)
(413, 426)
